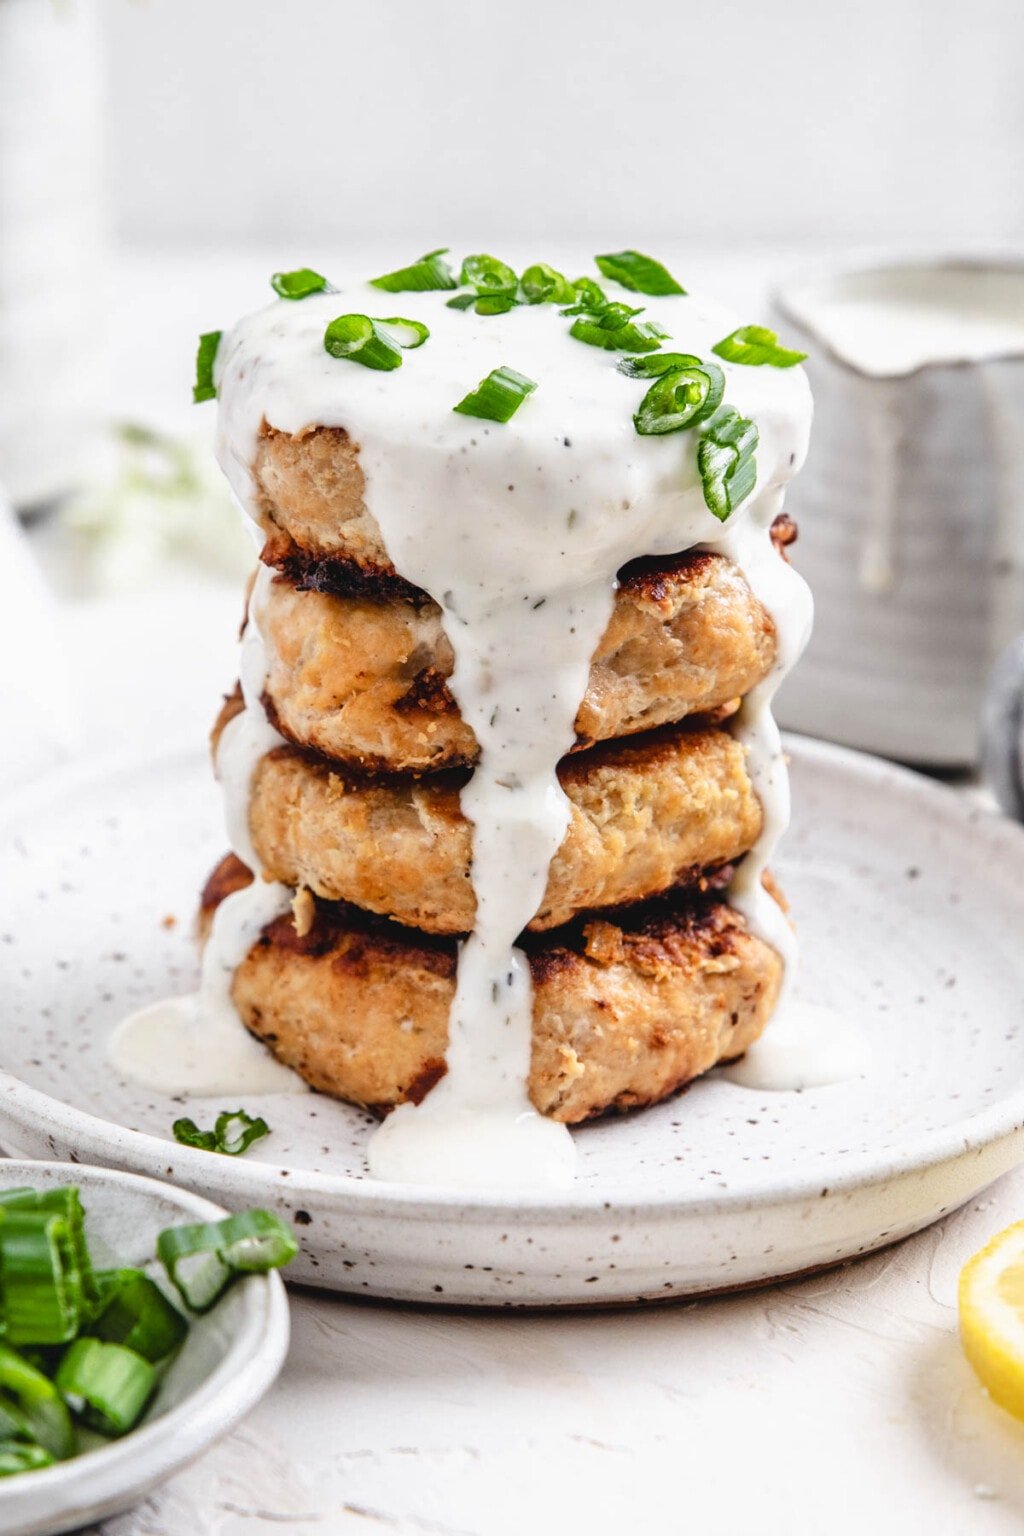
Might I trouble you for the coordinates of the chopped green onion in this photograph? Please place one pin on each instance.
(411, 333)
(641, 274)
(204, 1259)
(680, 398)
(498, 397)
(588, 295)
(189, 1135)
(488, 275)
(756, 345)
(654, 365)
(598, 329)
(105, 1385)
(19, 1456)
(234, 1132)
(66, 1201)
(462, 301)
(136, 1313)
(298, 284)
(495, 303)
(725, 458)
(40, 1282)
(357, 338)
(428, 273)
(204, 388)
(35, 1405)
(544, 285)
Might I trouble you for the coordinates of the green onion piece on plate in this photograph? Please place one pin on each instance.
(725, 458)
(641, 274)
(462, 301)
(680, 399)
(410, 333)
(204, 388)
(298, 284)
(756, 345)
(358, 339)
(189, 1135)
(105, 1385)
(204, 1259)
(498, 397)
(136, 1313)
(428, 273)
(35, 1403)
(21, 1456)
(234, 1132)
(542, 284)
(40, 1281)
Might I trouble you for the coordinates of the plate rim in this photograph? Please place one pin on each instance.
(147, 1154)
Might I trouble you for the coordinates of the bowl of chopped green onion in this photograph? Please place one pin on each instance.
(138, 1324)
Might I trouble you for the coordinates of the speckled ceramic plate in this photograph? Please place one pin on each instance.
(910, 903)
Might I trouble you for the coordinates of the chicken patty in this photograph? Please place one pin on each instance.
(625, 1011)
(646, 815)
(364, 678)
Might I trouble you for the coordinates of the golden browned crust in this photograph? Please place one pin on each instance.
(365, 680)
(646, 813)
(626, 1010)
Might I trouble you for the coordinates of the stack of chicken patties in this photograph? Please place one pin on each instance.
(643, 975)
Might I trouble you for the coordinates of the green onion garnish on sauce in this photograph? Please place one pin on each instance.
(725, 458)
(204, 388)
(682, 397)
(358, 339)
(488, 275)
(234, 1132)
(408, 333)
(613, 328)
(542, 284)
(641, 274)
(498, 397)
(298, 284)
(756, 345)
(587, 295)
(430, 272)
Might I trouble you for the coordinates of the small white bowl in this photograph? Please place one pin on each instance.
(229, 1360)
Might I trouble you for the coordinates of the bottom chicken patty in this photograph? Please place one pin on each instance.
(626, 1011)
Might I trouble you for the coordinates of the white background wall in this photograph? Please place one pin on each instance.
(552, 119)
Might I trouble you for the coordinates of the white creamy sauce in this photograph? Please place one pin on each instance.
(805, 1046)
(195, 1044)
(517, 530)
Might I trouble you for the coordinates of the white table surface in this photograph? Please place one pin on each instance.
(838, 1404)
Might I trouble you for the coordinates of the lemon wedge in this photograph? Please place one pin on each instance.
(992, 1317)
